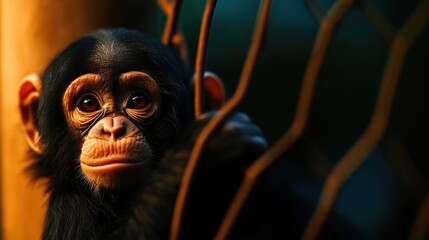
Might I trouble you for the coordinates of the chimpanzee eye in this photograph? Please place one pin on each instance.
(137, 100)
(88, 103)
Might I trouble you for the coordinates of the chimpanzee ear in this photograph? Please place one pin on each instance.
(29, 93)
(214, 93)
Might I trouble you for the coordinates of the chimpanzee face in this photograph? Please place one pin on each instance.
(108, 117)
(111, 104)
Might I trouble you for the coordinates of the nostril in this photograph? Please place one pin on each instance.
(118, 128)
(118, 131)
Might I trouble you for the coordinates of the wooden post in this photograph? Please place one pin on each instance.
(31, 34)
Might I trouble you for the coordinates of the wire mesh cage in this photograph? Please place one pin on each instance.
(352, 114)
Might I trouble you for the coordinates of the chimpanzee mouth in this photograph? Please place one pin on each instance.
(113, 171)
(114, 162)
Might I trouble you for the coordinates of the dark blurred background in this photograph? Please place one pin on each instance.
(382, 196)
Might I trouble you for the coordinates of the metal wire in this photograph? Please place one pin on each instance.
(420, 229)
(371, 136)
(229, 106)
(409, 176)
(382, 28)
(171, 12)
(315, 10)
(201, 56)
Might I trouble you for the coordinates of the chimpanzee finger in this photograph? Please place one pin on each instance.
(240, 128)
(237, 116)
(235, 125)
(236, 148)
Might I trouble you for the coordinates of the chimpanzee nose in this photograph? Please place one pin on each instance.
(115, 127)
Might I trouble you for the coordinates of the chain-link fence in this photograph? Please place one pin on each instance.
(402, 145)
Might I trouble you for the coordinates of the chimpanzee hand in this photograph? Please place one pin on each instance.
(233, 146)
(230, 149)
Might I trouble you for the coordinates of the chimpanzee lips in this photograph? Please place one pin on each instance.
(111, 164)
(110, 160)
